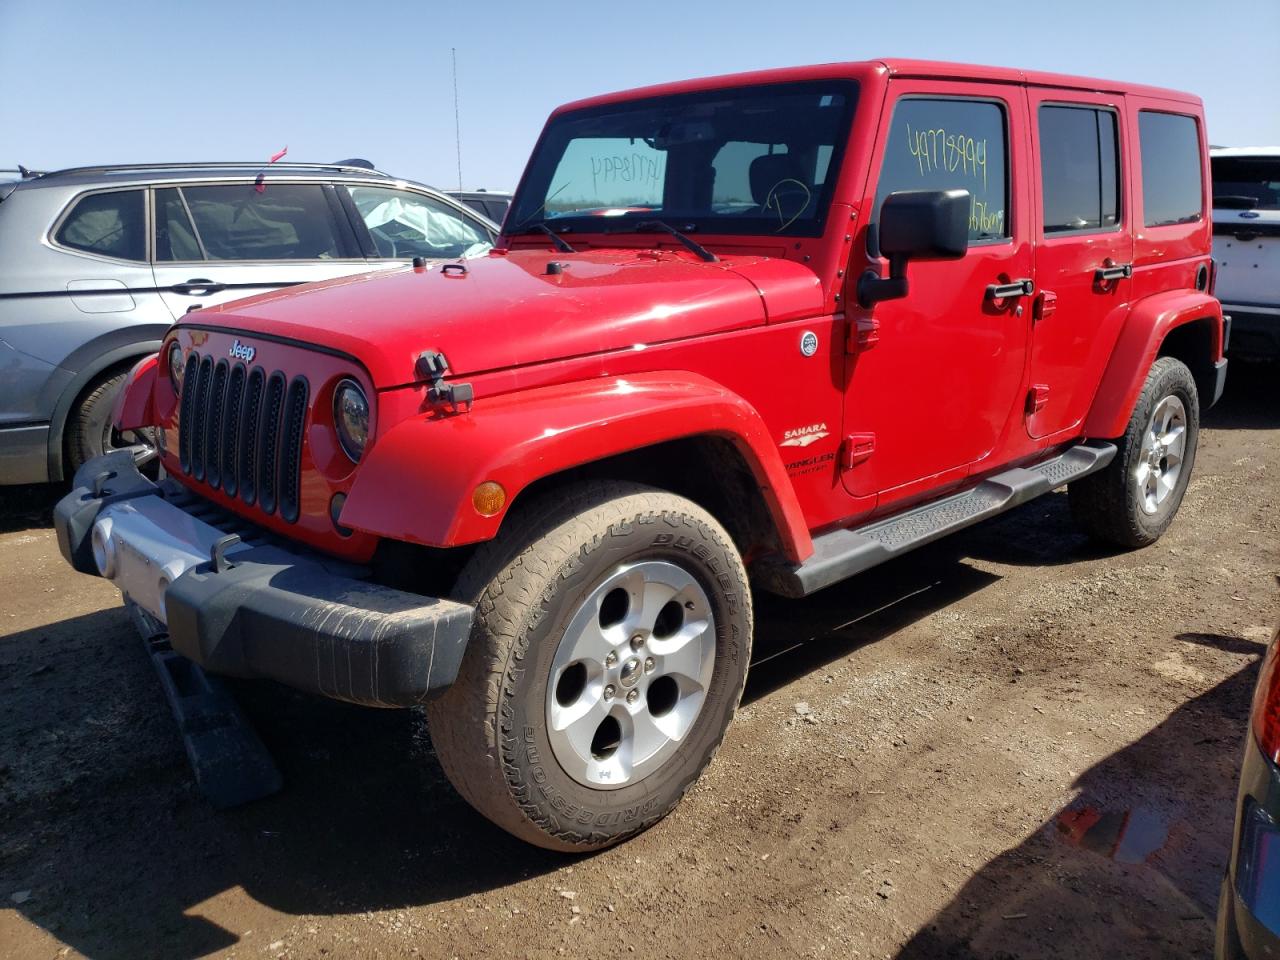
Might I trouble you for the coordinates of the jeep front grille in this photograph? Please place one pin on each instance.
(240, 431)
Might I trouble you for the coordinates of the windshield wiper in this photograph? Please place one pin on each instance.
(702, 252)
(561, 243)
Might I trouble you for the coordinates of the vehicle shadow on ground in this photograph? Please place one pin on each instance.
(366, 821)
(1250, 399)
(24, 507)
(1150, 829)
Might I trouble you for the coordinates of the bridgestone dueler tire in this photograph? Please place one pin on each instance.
(1107, 504)
(489, 728)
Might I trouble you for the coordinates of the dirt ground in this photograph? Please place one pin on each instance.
(1010, 744)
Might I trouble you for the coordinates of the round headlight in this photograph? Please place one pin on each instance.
(175, 365)
(351, 418)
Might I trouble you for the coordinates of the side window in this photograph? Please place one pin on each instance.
(286, 221)
(948, 145)
(1079, 169)
(111, 224)
(1172, 188)
(175, 237)
(404, 224)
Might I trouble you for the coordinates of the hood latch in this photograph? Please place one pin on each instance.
(445, 397)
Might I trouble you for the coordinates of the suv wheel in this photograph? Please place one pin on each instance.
(1133, 501)
(90, 431)
(609, 651)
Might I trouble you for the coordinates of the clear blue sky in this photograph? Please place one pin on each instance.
(129, 80)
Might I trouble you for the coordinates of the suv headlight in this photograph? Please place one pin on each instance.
(351, 418)
(175, 366)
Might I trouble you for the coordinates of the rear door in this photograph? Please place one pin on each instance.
(223, 241)
(1084, 251)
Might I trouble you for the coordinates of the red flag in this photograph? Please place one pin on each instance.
(277, 156)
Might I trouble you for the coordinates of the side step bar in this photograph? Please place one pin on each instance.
(843, 553)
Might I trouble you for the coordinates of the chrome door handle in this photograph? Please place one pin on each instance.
(198, 287)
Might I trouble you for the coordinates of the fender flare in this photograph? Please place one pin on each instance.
(417, 480)
(89, 362)
(1145, 329)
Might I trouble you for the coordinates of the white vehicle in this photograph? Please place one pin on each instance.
(1246, 246)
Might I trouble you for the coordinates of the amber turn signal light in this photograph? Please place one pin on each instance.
(489, 498)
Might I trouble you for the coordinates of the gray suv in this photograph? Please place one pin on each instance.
(96, 262)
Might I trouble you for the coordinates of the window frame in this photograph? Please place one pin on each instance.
(346, 234)
(51, 236)
(1122, 207)
(1009, 193)
(1202, 154)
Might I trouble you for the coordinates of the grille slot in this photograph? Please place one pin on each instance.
(189, 377)
(242, 431)
(269, 446)
(295, 415)
(251, 414)
(214, 419)
(231, 418)
(200, 405)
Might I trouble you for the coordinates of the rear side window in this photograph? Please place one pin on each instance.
(946, 145)
(404, 224)
(111, 224)
(175, 237)
(285, 221)
(1172, 189)
(1079, 169)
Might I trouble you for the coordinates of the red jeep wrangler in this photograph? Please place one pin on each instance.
(761, 331)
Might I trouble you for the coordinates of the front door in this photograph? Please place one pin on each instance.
(224, 241)
(1084, 253)
(935, 377)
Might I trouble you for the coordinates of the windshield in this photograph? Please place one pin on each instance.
(1246, 183)
(752, 160)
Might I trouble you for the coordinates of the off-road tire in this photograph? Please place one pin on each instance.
(489, 728)
(1108, 504)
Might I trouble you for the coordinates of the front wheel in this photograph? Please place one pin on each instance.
(1133, 501)
(91, 433)
(609, 651)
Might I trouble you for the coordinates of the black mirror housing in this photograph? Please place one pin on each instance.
(916, 224)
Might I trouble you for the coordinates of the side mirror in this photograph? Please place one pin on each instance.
(916, 225)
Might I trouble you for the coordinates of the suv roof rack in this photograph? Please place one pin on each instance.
(258, 165)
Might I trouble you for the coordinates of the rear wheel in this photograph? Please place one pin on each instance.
(90, 431)
(610, 647)
(1134, 500)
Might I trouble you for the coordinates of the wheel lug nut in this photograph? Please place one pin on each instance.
(648, 664)
(637, 642)
(633, 696)
(611, 659)
(609, 691)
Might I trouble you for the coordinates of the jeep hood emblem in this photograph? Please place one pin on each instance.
(242, 351)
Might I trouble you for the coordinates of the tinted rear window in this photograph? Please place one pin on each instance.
(1172, 190)
(1246, 183)
(1078, 169)
(111, 224)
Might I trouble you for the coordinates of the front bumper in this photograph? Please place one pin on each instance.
(259, 609)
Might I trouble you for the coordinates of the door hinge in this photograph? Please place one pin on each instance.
(856, 448)
(1037, 397)
(864, 334)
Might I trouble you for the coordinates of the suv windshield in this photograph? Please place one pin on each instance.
(1246, 183)
(752, 160)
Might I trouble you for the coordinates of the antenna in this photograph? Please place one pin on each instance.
(457, 126)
